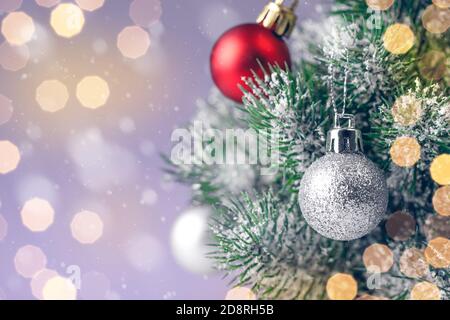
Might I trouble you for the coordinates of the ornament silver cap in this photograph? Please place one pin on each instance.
(346, 139)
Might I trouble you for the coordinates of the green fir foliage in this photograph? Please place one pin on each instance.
(261, 238)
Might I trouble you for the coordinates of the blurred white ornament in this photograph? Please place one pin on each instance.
(190, 239)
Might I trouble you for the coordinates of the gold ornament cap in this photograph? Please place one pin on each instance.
(279, 17)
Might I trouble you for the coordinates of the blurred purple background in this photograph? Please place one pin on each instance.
(108, 160)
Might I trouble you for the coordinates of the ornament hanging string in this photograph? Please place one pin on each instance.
(330, 78)
(345, 84)
(339, 114)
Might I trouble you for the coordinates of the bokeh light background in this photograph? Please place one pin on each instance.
(87, 104)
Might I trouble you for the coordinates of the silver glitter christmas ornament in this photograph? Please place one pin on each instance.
(343, 195)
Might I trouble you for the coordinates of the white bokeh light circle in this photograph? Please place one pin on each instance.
(145, 13)
(86, 227)
(29, 260)
(14, 58)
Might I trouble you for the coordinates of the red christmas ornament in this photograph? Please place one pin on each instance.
(247, 47)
